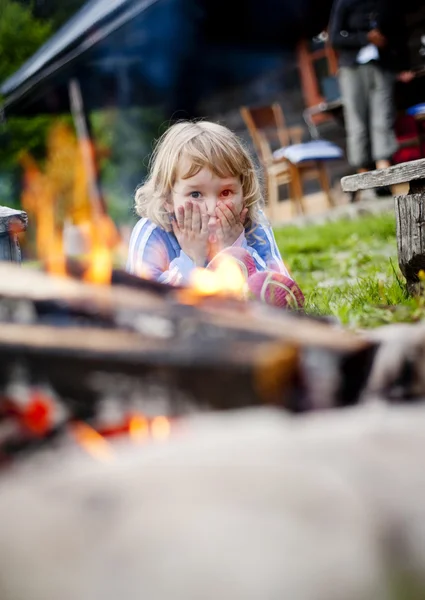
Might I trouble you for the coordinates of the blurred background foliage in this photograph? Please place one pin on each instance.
(24, 27)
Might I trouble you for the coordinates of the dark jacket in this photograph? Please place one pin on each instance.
(350, 22)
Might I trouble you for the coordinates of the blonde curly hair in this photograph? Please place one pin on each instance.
(205, 144)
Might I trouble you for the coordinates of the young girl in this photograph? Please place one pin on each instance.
(202, 196)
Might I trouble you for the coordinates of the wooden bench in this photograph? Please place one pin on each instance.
(409, 212)
(12, 222)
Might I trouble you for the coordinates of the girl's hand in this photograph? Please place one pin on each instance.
(191, 231)
(230, 224)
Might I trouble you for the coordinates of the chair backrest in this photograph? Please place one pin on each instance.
(267, 126)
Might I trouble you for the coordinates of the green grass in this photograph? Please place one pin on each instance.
(349, 269)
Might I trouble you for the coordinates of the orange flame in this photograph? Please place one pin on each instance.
(160, 428)
(38, 199)
(227, 279)
(99, 258)
(138, 428)
(205, 283)
(63, 191)
(92, 442)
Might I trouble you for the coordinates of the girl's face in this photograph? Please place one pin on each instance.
(206, 189)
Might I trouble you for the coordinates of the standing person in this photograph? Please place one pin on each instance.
(371, 39)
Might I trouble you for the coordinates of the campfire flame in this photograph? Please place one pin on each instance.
(138, 428)
(160, 428)
(92, 442)
(62, 192)
(38, 199)
(205, 283)
(100, 257)
(227, 279)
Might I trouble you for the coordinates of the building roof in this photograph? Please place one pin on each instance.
(138, 52)
(92, 23)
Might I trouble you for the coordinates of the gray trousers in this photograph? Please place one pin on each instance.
(368, 96)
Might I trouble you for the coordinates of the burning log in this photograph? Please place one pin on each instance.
(81, 363)
(398, 371)
(158, 350)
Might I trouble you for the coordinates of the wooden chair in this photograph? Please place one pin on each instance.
(268, 130)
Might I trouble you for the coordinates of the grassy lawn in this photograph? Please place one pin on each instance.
(349, 269)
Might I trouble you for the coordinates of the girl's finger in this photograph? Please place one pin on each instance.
(219, 234)
(180, 218)
(176, 229)
(231, 206)
(243, 215)
(230, 217)
(215, 232)
(223, 217)
(196, 219)
(188, 216)
(204, 223)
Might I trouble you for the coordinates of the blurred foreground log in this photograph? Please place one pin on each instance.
(398, 370)
(166, 346)
(244, 505)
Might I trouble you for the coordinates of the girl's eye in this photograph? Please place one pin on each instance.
(195, 195)
(226, 193)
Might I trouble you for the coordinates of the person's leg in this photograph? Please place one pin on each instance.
(383, 164)
(382, 113)
(356, 115)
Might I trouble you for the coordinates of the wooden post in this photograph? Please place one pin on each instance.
(82, 127)
(409, 212)
(12, 222)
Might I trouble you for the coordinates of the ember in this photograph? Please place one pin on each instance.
(160, 428)
(138, 428)
(92, 442)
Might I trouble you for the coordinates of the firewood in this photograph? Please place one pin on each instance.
(220, 312)
(78, 269)
(398, 371)
(85, 365)
(33, 284)
(217, 352)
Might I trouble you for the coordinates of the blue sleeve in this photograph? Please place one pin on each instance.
(148, 256)
(179, 270)
(261, 244)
